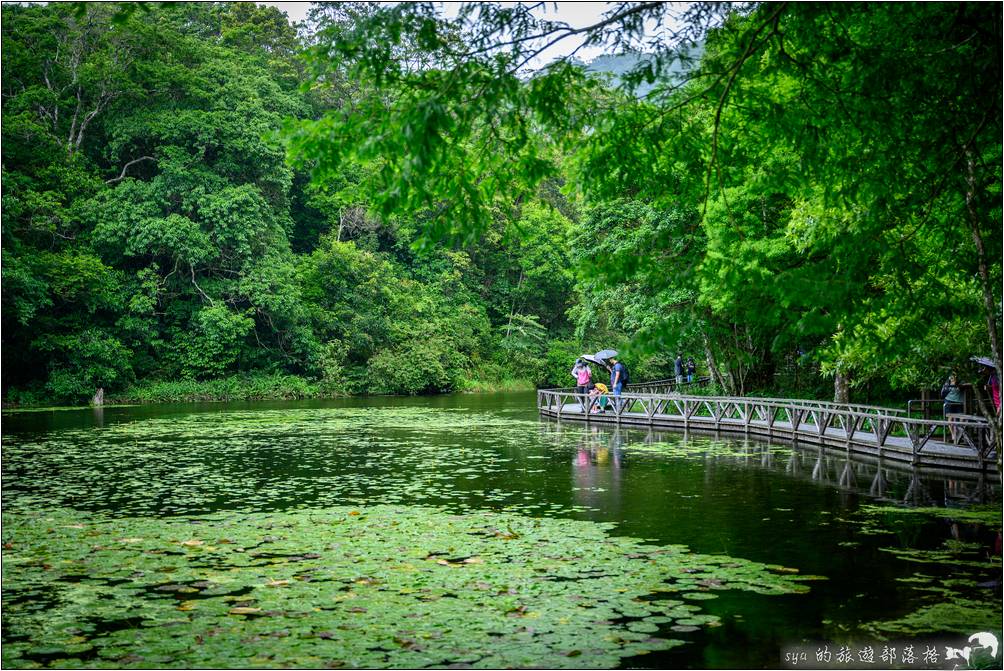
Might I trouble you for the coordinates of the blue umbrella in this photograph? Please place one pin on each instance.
(984, 361)
(606, 354)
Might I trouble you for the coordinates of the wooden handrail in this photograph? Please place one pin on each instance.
(792, 401)
(870, 427)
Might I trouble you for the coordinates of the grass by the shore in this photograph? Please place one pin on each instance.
(259, 387)
(484, 386)
(234, 388)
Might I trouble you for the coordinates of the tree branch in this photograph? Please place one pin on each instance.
(122, 175)
(746, 55)
(196, 284)
(569, 31)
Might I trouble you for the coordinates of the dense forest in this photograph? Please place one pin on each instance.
(201, 199)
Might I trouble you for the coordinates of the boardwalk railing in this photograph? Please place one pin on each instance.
(666, 386)
(671, 386)
(966, 441)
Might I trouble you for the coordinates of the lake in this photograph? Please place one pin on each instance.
(466, 531)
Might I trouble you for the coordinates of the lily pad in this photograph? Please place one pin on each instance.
(527, 597)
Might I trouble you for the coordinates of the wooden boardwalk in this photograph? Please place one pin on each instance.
(961, 442)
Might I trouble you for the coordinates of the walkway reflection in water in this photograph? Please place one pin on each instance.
(601, 452)
(596, 468)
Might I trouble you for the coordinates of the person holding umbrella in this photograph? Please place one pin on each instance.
(994, 385)
(993, 382)
(618, 378)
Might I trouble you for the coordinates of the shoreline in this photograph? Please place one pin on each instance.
(237, 389)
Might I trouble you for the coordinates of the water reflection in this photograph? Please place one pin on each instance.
(596, 469)
(781, 503)
(601, 450)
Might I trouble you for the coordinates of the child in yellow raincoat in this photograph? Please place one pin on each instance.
(600, 392)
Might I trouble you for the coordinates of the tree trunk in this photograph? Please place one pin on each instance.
(716, 375)
(990, 304)
(841, 387)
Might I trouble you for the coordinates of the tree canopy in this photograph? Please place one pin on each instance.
(840, 165)
(386, 199)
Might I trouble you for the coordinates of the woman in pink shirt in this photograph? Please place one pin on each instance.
(583, 376)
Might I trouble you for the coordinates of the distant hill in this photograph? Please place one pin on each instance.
(617, 65)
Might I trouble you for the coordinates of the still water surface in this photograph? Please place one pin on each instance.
(800, 508)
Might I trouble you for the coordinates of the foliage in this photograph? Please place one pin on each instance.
(212, 348)
(235, 388)
(783, 191)
(826, 205)
(170, 239)
(415, 367)
(561, 355)
(492, 379)
(838, 226)
(469, 583)
(82, 362)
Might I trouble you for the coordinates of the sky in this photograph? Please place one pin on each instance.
(575, 14)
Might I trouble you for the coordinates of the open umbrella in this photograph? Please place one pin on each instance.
(591, 359)
(984, 361)
(606, 354)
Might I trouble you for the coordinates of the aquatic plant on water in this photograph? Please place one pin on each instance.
(378, 586)
(956, 583)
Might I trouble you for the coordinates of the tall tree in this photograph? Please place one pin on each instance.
(845, 158)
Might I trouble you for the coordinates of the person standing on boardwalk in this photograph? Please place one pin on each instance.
(678, 368)
(952, 395)
(691, 369)
(618, 378)
(955, 400)
(583, 375)
(994, 387)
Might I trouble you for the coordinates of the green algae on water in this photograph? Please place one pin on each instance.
(958, 616)
(378, 586)
(700, 448)
(200, 462)
(989, 515)
(959, 588)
